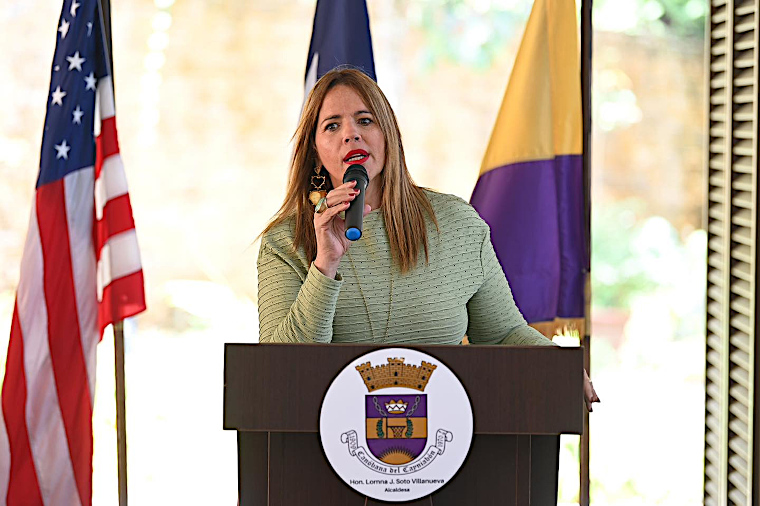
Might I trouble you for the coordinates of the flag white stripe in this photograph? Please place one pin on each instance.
(78, 187)
(111, 183)
(5, 459)
(104, 100)
(311, 79)
(119, 257)
(96, 115)
(47, 436)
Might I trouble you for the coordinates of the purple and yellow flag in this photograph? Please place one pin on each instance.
(530, 189)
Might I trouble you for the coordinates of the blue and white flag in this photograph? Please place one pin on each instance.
(340, 37)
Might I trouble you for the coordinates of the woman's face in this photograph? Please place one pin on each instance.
(347, 133)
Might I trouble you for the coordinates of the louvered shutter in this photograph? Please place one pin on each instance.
(731, 453)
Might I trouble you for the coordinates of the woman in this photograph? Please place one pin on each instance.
(424, 271)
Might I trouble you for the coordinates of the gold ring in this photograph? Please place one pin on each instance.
(321, 206)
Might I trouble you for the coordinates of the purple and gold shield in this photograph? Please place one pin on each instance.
(396, 427)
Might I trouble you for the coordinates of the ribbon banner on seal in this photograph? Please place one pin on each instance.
(351, 439)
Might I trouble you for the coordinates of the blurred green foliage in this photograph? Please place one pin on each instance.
(636, 254)
(465, 32)
(618, 273)
(683, 18)
(475, 32)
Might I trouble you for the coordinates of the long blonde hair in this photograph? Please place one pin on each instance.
(403, 203)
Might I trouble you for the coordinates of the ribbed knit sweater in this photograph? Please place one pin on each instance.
(461, 290)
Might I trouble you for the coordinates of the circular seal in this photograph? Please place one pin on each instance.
(396, 424)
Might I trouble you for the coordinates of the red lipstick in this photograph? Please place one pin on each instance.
(364, 156)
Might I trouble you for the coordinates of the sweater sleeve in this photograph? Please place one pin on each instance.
(296, 305)
(493, 315)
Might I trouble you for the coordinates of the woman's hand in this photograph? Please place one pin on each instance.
(330, 229)
(588, 392)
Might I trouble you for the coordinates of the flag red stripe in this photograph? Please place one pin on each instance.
(23, 487)
(122, 298)
(117, 218)
(48, 420)
(107, 143)
(67, 356)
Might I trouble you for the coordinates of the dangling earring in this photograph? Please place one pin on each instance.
(318, 181)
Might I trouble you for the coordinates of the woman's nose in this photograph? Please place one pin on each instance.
(350, 134)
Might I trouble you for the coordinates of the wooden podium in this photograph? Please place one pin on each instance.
(522, 399)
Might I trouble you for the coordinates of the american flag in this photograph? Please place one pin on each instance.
(80, 271)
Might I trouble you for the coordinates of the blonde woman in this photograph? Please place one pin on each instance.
(424, 270)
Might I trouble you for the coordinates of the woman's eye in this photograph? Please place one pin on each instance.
(331, 127)
(365, 121)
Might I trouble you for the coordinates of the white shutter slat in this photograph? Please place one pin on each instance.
(741, 269)
(740, 339)
(742, 288)
(731, 192)
(739, 427)
(742, 234)
(737, 271)
(714, 359)
(744, 164)
(743, 326)
(736, 496)
(738, 445)
(743, 7)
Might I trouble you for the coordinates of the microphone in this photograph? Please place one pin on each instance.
(355, 212)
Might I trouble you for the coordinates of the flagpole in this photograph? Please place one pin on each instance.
(586, 54)
(121, 414)
(118, 327)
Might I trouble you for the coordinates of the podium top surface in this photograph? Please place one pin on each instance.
(513, 390)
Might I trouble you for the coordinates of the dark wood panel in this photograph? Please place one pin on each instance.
(513, 390)
(522, 469)
(544, 462)
(300, 475)
(500, 470)
(425, 501)
(252, 468)
(488, 476)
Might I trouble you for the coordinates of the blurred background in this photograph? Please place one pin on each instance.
(208, 93)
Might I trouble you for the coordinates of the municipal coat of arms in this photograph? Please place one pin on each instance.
(408, 407)
(396, 424)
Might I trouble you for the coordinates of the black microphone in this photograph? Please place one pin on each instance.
(355, 212)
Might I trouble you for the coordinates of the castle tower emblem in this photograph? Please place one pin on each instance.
(396, 374)
(396, 424)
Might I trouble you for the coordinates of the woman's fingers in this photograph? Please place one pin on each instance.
(339, 198)
(332, 211)
(329, 227)
(326, 218)
(342, 193)
(349, 184)
(339, 193)
(589, 393)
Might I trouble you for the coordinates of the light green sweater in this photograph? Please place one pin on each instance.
(462, 290)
